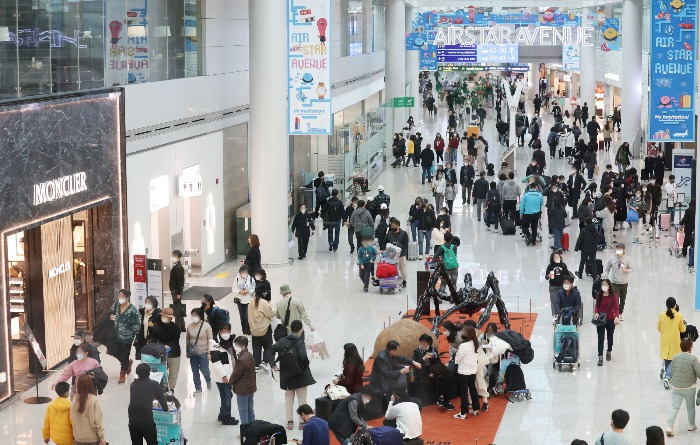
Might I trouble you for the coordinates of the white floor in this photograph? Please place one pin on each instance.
(564, 406)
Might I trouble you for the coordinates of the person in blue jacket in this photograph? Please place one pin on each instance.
(530, 212)
(315, 428)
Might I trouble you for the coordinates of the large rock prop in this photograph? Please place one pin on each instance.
(406, 332)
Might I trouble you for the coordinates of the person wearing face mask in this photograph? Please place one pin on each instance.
(533, 168)
(199, 337)
(636, 203)
(414, 214)
(260, 314)
(556, 272)
(168, 333)
(177, 278)
(568, 297)
(618, 270)
(243, 380)
(126, 325)
(622, 157)
(399, 237)
(346, 222)
(670, 326)
(438, 188)
(303, 227)
(432, 368)
(79, 339)
(222, 359)
(425, 226)
(670, 190)
(530, 212)
(608, 217)
(439, 145)
(213, 315)
(366, 256)
(576, 184)
(688, 225)
(347, 416)
(606, 302)
(150, 315)
(655, 196)
(80, 366)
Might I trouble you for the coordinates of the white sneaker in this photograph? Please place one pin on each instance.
(263, 367)
(460, 416)
(692, 427)
(622, 318)
(669, 432)
(420, 257)
(487, 228)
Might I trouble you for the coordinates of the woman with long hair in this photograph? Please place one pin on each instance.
(199, 335)
(608, 217)
(86, 414)
(260, 315)
(606, 303)
(670, 326)
(252, 258)
(353, 368)
(466, 360)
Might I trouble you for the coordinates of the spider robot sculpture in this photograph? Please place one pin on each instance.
(467, 300)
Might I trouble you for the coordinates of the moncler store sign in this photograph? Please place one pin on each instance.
(59, 188)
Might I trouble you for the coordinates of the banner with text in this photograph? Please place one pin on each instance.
(309, 66)
(672, 71)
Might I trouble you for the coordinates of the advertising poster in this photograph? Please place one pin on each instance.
(570, 57)
(140, 291)
(672, 70)
(309, 66)
(610, 38)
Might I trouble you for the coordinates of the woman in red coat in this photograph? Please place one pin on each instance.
(353, 368)
(439, 146)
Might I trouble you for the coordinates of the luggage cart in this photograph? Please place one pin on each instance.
(561, 331)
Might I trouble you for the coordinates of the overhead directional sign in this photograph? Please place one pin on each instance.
(466, 54)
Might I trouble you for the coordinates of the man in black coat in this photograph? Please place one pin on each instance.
(291, 380)
(427, 157)
(466, 179)
(177, 277)
(397, 236)
(481, 188)
(346, 221)
(303, 227)
(587, 244)
(593, 128)
(390, 368)
(79, 339)
(541, 158)
(576, 184)
(332, 219)
(584, 112)
(552, 194)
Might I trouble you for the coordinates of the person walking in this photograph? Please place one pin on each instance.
(556, 272)
(607, 138)
(622, 157)
(618, 269)
(260, 314)
(197, 343)
(466, 360)
(360, 219)
(481, 189)
(296, 309)
(86, 414)
(332, 219)
(303, 227)
(438, 188)
(670, 327)
(414, 215)
(143, 391)
(126, 325)
(606, 305)
(608, 217)
(439, 145)
(685, 370)
(243, 380)
(425, 227)
(294, 372)
(168, 333)
(587, 244)
(349, 210)
(398, 237)
(366, 257)
(466, 178)
(78, 367)
(511, 195)
(150, 315)
(530, 212)
(57, 424)
(568, 297)
(427, 158)
(493, 207)
(575, 185)
(688, 226)
(557, 222)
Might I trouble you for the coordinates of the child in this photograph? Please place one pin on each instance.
(57, 424)
(366, 256)
(450, 194)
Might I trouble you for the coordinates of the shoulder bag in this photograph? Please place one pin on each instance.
(191, 349)
(281, 329)
(602, 317)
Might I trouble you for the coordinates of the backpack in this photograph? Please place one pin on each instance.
(449, 257)
(289, 362)
(567, 316)
(382, 227)
(553, 138)
(220, 315)
(519, 344)
(362, 437)
(493, 204)
(321, 192)
(335, 211)
(577, 131)
(386, 435)
(569, 350)
(532, 128)
(514, 378)
(519, 121)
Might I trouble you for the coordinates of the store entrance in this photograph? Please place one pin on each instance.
(60, 277)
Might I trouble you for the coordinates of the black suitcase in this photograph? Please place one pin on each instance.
(645, 174)
(508, 226)
(396, 163)
(567, 152)
(324, 407)
(599, 266)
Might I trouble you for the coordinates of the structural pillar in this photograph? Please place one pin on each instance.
(631, 79)
(367, 26)
(412, 65)
(533, 81)
(268, 133)
(395, 65)
(587, 66)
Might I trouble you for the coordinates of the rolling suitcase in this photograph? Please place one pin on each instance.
(396, 163)
(665, 221)
(645, 174)
(598, 266)
(412, 251)
(691, 257)
(565, 242)
(508, 226)
(601, 145)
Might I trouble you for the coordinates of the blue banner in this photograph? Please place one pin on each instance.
(672, 71)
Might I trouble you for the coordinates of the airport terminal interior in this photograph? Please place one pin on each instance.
(484, 213)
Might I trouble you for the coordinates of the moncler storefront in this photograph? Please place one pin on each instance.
(62, 224)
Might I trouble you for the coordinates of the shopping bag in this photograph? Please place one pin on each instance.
(632, 216)
(317, 346)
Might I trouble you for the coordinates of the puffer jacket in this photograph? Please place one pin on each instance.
(481, 188)
(587, 240)
(57, 423)
(511, 190)
(685, 369)
(243, 377)
(347, 416)
(297, 381)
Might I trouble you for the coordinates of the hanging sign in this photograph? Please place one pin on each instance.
(672, 70)
(140, 291)
(309, 66)
(570, 57)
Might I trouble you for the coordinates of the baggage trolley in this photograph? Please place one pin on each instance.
(560, 332)
(390, 284)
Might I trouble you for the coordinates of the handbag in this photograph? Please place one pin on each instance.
(281, 329)
(602, 317)
(179, 312)
(191, 348)
(632, 216)
(337, 392)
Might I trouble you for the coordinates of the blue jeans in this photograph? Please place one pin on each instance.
(426, 174)
(200, 362)
(342, 440)
(414, 230)
(492, 218)
(557, 233)
(424, 234)
(667, 369)
(245, 408)
(226, 394)
(333, 234)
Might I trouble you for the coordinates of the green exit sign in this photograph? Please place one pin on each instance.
(404, 102)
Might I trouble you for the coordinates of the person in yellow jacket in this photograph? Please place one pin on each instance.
(57, 424)
(670, 326)
(410, 150)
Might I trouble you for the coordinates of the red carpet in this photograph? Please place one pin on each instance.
(439, 427)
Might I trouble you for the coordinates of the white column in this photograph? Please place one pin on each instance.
(587, 67)
(367, 26)
(268, 140)
(533, 81)
(412, 65)
(395, 63)
(632, 72)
